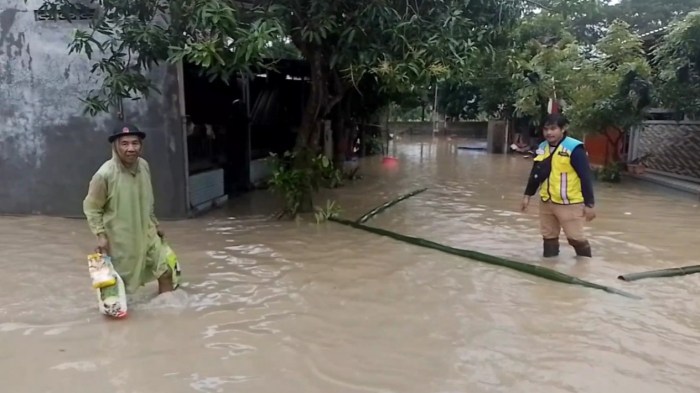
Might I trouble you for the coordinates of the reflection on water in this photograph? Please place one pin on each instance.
(272, 306)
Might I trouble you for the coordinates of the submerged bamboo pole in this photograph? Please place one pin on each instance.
(369, 215)
(534, 270)
(672, 272)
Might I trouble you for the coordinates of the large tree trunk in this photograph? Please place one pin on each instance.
(318, 107)
(309, 129)
(307, 137)
(342, 133)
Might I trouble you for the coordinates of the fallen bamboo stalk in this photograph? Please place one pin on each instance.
(676, 271)
(369, 215)
(534, 270)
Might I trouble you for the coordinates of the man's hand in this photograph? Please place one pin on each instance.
(525, 202)
(589, 213)
(102, 244)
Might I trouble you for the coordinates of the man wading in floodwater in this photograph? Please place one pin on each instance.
(119, 211)
(561, 168)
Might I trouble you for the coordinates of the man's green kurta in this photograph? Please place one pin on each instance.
(119, 204)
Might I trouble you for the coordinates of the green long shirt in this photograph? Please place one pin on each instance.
(119, 204)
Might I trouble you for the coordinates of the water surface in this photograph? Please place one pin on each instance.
(284, 306)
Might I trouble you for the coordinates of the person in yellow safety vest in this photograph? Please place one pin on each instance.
(562, 172)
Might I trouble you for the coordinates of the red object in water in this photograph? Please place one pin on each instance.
(390, 161)
(120, 315)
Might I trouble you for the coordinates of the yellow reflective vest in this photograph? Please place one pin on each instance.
(563, 186)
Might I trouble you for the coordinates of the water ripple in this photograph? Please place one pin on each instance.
(272, 305)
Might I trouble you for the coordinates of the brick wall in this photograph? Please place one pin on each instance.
(675, 147)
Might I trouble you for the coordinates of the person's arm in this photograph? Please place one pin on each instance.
(579, 161)
(94, 204)
(532, 182)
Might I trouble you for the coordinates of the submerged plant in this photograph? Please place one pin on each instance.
(296, 176)
(610, 173)
(331, 210)
(330, 176)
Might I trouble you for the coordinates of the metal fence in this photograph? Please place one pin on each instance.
(674, 147)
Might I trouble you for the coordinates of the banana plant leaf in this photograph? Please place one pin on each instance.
(379, 209)
(676, 271)
(534, 270)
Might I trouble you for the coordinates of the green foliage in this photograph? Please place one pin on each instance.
(126, 40)
(282, 48)
(392, 49)
(585, 19)
(296, 176)
(647, 15)
(373, 145)
(581, 52)
(330, 176)
(615, 89)
(610, 173)
(293, 184)
(610, 90)
(373, 52)
(620, 45)
(678, 61)
(546, 65)
(495, 83)
(401, 43)
(427, 41)
(331, 209)
(458, 100)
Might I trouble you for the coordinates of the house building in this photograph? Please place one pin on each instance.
(199, 141)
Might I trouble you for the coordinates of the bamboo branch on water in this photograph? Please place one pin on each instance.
(377, 210)
(534, 270)
(676, 271)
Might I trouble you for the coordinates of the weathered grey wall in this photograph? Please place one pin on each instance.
(48, 148)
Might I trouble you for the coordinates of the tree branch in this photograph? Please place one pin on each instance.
(340, 91)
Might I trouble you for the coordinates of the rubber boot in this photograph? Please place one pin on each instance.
(582, 248)
(550, 248)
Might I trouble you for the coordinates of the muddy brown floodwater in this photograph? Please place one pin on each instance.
(294, 307)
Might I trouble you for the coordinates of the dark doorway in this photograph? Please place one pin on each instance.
(227, 133)
(277, 102)
(217, 128)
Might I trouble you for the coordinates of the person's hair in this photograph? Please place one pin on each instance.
(555, 119)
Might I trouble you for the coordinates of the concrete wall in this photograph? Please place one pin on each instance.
(260, 170)
(476, 129)
(48, 148)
